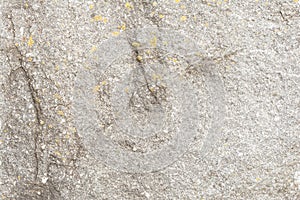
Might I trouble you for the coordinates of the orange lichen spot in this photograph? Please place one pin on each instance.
(183, 18)
(30, 41)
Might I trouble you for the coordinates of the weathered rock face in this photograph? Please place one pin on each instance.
(149, 99)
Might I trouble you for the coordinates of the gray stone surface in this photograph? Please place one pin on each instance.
(150, 99)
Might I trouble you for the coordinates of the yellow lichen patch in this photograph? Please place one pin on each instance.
(73, 129)
(98, 18)
(183, 18)
(57, 96)
(122, 27)
(19, 177)
(68, 135)
(30, 41)
(153, 41)
(177, 1)
(42, 122)
(115, 33)
(139, 58)
(87, 67)
(152, 89)
(93, 49)
(57, 153)
(17, 44)
(154, 4)
(104, 83)
(173, 59)
(296, 1)
(152, 14)
(136, 44)
(128, 6)
(96, 88)
(91, 6)
(258, 179)
(161, 16)
(29, 59)
(61, 113)
(227, 67)
(198, 54)
(105, 20)
(57, 68)
(156, 77)
(126, 90)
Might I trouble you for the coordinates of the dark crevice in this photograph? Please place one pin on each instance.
(33, 92)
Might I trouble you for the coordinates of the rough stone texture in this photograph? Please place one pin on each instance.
(251, 47)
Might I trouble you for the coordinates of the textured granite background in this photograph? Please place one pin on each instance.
(80, 78)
